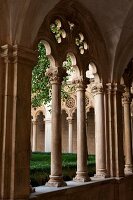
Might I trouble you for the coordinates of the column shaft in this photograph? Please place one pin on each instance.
(70, 134)
(34, 147)
(114, 94)
(56, 178)
(82, 170)
(127, 133)
(15, 123)
(107, 150)
(99, 131)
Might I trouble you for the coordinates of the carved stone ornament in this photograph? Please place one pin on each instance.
(58, 31)
(97, 88)
(18, 54)
(87, 101)
(56, 74)
(80, 82)
(126, 98)
(114, 88)
(70, 102)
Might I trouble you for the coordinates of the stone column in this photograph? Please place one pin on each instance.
(34, 136)
(114, 103)
(132, 130)
(16, 64)
(56, 76)
(82, 171)
(107, 134)
(98, 94)
(127, 133)
(48, 128)
(70, 134)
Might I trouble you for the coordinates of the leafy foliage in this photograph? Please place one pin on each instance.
(41, 88)
(40, 84)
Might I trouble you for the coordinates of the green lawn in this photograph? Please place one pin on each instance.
(40, 167)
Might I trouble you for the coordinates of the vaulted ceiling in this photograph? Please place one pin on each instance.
(109, 24)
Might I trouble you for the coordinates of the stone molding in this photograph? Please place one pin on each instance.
(18, 54)
(114, 88)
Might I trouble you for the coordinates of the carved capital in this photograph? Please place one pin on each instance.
(70, 120)
(126, 98)
(114, 88)
(80, 82)
(109, 88)
(6, 52)
(97, 89)
(34, 123)
(56, 74)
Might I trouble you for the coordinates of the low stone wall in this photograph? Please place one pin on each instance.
(108, 189)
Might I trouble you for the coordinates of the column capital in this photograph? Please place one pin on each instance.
(97, 88)
(114, 88)
(56, 74)
(80, 82)
(18, 54)
(126, 98)
(70, 120)
(34, 122)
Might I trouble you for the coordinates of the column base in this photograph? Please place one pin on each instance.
(56, 181)
(101, 174)
(32, 189)
(128, 169)
(81, 177)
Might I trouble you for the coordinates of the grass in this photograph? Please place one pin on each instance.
(40, 167)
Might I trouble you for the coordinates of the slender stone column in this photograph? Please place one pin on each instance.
(98, 94)
(114, 103)
(107, 134)
(56, 76)
(132, 129)
(34, 135)
(16, 64)
(48, 128)
(127, 133)
(70, 134)
(110, 127)
(118, 125)
(82, 171)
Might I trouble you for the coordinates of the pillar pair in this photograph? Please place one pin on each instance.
(109, 131)
(16, 64)
(114, 130)
(56, 179)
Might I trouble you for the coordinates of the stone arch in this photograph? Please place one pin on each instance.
(75, 71)
(38, 129)
(92, 72)
(35, 112)
(66, 11)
